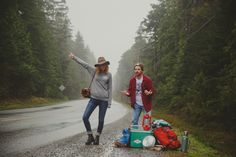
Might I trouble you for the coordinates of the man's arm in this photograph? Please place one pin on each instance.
(150, 89)
(128, 91)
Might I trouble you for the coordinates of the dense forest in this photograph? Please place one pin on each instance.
(188, 48)
(36, 38)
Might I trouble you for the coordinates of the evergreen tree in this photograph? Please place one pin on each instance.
(190, 55)
(16, 58)
(35, 42)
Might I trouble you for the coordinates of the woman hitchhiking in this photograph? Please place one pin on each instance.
(101, 94)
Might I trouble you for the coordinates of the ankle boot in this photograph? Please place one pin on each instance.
(96, 142)
(90, 139)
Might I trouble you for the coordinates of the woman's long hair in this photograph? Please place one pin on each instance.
(98, 70)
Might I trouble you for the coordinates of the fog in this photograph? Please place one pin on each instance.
(108, 27)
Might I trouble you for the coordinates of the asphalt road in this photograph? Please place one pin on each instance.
(58, 131)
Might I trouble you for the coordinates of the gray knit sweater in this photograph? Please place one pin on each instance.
(101, 87)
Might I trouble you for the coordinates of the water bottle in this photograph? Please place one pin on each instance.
(184, 142)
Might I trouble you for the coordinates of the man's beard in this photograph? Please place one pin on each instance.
(138, 74)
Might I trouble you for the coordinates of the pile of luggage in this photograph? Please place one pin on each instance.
(156, 135)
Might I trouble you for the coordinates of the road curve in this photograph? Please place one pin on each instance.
(25, 129)
(74, 146)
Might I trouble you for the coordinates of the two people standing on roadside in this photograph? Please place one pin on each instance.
(140, 92)
(101, 95)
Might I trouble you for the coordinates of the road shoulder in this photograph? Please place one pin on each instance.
(74, 146)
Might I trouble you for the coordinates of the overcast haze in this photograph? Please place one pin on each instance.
(108, 27)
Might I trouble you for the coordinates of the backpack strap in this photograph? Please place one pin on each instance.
(92, 79)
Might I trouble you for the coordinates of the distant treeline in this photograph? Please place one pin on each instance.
(189, 50)
(34, 46)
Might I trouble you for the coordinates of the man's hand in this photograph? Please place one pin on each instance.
(126, 93)
(148, 92)
(71, 55)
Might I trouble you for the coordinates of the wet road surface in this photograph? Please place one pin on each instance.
(56, 131)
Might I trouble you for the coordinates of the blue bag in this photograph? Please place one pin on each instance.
(126, 136)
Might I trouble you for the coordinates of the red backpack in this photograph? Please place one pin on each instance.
(167, 137)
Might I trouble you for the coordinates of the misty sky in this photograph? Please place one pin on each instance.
(108, 27)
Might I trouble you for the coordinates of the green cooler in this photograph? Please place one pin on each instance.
(137, 134)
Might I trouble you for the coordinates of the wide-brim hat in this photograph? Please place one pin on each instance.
(101, 61)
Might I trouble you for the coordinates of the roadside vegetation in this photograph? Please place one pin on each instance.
(28, 103)
(188, 50)
(203, 142)
(36, 39)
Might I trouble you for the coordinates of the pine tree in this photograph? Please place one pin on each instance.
(17, 68)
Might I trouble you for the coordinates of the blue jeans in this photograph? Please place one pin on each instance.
(136, 113)
(93, 103)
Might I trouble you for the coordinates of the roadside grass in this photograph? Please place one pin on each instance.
(203, 142)
(28, 103)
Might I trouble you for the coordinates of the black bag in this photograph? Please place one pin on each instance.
(85, 92)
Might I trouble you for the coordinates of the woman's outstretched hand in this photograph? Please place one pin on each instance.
(71, 55)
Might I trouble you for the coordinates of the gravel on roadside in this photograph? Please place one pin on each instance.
(75, 147)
